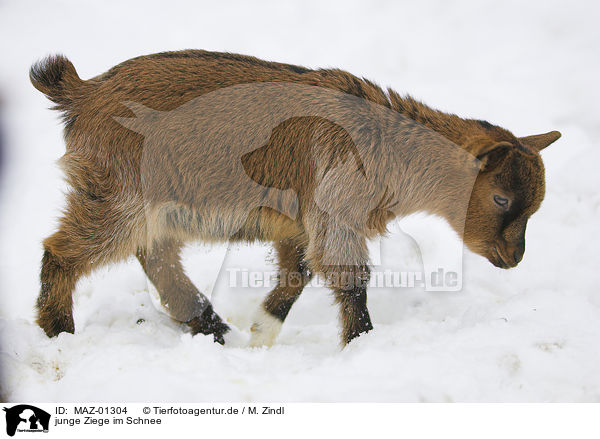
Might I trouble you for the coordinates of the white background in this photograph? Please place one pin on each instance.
(465, 421)
(528, 334)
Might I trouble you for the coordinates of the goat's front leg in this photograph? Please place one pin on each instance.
(340, 254)
(293, 277)
(351, 296)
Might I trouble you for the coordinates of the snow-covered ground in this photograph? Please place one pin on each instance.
(528, 334)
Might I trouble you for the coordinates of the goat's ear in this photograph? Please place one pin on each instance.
(540, 141)
(493, 154)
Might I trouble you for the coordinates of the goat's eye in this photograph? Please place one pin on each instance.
(501, 201)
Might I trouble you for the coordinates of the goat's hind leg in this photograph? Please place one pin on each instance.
(89, 235)
(177, 292)
(58, 277)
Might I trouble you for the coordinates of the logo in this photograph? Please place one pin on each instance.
(26, 418)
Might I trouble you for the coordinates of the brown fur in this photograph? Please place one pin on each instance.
(113, 213)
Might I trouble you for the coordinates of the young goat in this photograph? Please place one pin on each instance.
(176, 146)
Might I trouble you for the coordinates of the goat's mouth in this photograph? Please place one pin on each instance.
(498, 259)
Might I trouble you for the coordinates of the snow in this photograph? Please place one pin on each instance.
(527, 334)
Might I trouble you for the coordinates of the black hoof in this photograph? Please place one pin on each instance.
(54, 325)
(209, 323)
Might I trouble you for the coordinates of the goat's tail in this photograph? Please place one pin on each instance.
(56, 77)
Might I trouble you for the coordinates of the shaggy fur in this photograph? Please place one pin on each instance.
(152, 162)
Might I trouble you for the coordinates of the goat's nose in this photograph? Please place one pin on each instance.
(517, 256)
(517, 252)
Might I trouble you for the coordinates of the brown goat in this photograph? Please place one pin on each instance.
(176, 146)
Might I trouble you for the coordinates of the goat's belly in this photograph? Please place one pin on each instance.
(220, 225)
